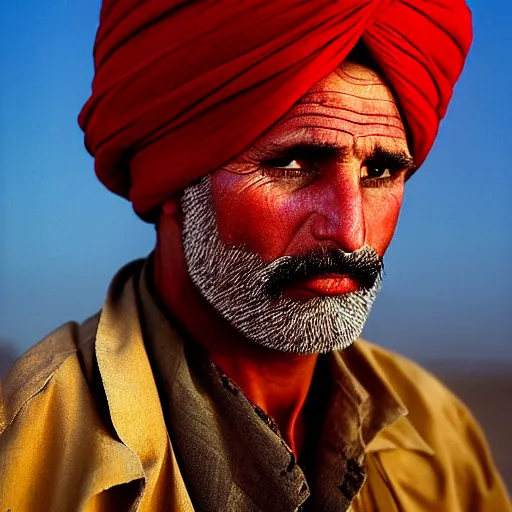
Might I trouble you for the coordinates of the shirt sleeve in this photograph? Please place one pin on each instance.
(459, 475)
(436, 458)
(484, 490)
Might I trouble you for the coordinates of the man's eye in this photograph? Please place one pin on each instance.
(373, 176)
(284, 163)
(284, 168)
(377, 172)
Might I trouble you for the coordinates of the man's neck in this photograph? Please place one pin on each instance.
(276, 382)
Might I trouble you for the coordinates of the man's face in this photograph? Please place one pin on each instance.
(286, 241)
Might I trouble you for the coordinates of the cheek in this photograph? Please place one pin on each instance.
(255, 214)
(381, 211)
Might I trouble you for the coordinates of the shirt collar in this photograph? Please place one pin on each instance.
(364, 380)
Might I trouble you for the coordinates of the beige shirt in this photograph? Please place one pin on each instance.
(82, 427)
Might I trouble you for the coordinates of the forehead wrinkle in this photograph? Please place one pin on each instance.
(353, 76)
(364, 109)
(351, 127)
(356, 70)
(349, 102)
(354, 128)
(375, 81)
(327, 93)
(326, 104)
(346, 114)
(342, 113)
(354, 81)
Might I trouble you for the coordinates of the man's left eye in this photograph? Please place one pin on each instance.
(377, 172)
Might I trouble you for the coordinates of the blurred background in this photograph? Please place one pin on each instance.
(447, 296)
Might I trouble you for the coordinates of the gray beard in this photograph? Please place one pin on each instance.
(233, 280)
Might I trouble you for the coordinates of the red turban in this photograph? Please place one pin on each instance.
(181, 87)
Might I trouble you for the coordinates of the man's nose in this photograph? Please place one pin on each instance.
(339, 216)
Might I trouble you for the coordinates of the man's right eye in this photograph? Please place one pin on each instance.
(286, 168)
(283, 163)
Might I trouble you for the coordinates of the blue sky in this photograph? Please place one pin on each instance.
(447, 293)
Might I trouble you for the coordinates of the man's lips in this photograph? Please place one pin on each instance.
(328, 285)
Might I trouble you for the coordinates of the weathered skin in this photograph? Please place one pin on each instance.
(335, 191)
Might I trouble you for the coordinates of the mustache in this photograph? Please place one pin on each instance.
(364, 265)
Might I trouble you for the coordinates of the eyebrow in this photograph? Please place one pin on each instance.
(397, 159)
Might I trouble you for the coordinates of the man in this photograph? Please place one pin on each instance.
(270, 143)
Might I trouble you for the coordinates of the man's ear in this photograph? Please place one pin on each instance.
(172, 208)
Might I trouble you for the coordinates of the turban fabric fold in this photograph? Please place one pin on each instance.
(182, 87)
